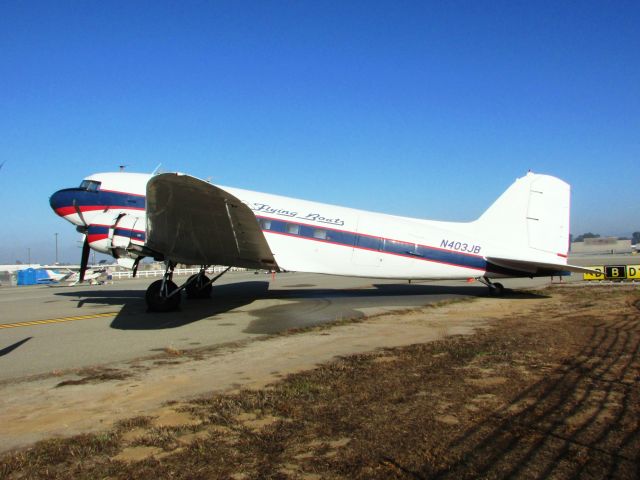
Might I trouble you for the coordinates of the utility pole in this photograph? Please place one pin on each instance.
(56, 235)
(28, 255)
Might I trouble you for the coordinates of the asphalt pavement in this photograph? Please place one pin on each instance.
(45, 329)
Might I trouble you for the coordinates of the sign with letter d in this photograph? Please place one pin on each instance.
(614, 272)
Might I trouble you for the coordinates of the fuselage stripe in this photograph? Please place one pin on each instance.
(371, 243)
(104, 199)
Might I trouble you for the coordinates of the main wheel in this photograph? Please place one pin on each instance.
(161, 303)
(497, 290)
(195, 289)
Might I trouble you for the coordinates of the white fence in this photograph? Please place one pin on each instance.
(177, 271)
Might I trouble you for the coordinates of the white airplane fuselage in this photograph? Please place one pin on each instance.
(315, 237)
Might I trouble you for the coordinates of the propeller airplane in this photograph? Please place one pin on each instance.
(177, 218)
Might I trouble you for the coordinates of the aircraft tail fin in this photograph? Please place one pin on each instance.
(531, 217)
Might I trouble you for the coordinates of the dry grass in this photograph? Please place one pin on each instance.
(96, 375)
(553, 394)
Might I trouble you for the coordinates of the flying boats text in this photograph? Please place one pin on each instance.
(312, 216)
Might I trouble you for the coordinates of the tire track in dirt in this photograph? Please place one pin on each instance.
(578, 386)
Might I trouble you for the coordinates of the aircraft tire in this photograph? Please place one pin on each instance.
(157, 303)
(498, 289)
(195, 289)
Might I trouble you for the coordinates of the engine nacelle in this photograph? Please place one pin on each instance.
(118, 234)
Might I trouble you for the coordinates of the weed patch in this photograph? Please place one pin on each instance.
(96, 375)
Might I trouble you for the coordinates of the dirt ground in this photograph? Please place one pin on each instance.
(537, 385)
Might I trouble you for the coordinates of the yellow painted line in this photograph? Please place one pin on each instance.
(57, 320)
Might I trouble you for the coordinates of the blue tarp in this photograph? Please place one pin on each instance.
(27, 276)
(31, 276)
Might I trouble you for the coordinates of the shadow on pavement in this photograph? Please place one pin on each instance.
(311, 305)
(11, 348)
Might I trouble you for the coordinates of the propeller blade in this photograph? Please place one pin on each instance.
(79, 212)
(85, 258)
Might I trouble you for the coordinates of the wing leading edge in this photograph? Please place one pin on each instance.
(193, 222)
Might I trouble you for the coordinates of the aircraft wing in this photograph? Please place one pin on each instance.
(537, 268)
(193, 222)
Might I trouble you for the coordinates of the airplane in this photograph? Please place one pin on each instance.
(91, 275)
(177, 218)
(56, 274)
(53, 276)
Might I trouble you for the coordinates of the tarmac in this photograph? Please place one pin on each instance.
(56, 328)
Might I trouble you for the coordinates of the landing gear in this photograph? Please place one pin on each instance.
(164, 295)
(495, 289)
(198, 286)
(160, 299)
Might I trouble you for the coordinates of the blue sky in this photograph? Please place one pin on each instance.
(426, 109)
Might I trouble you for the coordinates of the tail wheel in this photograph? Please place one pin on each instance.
(198, 288)
(162, 303)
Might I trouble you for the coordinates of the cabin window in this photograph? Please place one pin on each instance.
(417, 250)
(394, 246)
(293, 229)
(320, 233)
(265, 224)
(343, 238)
(90, 185)
(370, 243)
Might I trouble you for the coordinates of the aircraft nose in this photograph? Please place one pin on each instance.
(62, 202)
(56, 202)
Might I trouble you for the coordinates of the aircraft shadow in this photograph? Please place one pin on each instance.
(317, 306)
(311, 305)
(11, 348)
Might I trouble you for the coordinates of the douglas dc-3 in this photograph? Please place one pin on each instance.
(177, 218)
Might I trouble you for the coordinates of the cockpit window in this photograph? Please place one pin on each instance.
(90, 185)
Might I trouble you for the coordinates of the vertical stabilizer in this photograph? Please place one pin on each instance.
(531, 217)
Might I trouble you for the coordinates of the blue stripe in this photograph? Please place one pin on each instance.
(97, 229)
(372, 243)
(125, 232)
(122, 232)
(65, 198)
(349, 239)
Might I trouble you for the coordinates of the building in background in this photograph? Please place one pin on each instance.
(601, 245)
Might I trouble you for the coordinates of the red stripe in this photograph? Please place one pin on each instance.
(65, 211)
(96, 237)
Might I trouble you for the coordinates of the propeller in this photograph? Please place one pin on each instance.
(85, 257)
(86, 248)
(82, 228)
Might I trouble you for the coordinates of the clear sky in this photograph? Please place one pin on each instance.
(426, 109)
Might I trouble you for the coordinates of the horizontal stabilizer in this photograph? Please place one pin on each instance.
(534, 267)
